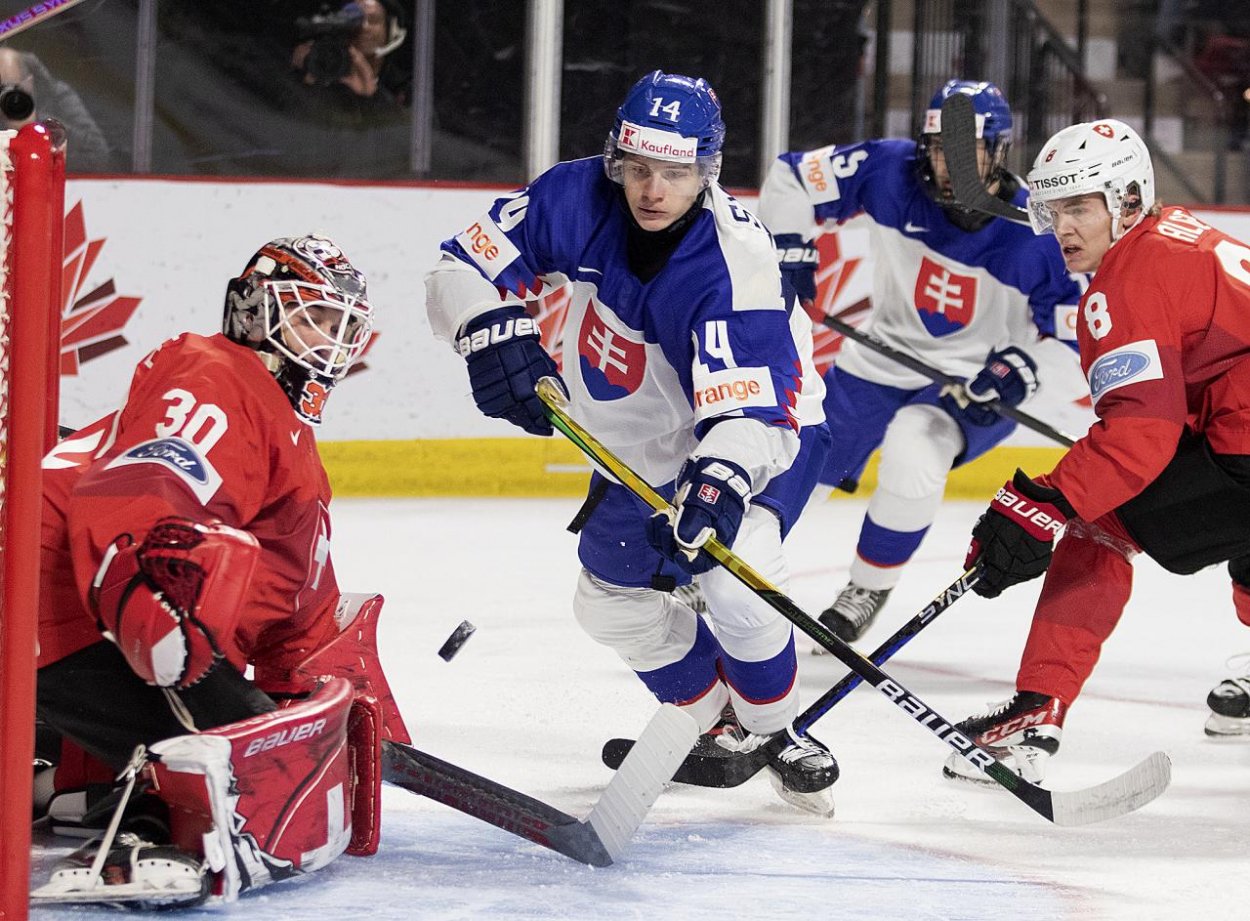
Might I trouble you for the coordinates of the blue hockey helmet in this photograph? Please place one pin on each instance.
(993, 119)
(668, 117)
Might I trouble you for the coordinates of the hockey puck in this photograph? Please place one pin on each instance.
(457, 639)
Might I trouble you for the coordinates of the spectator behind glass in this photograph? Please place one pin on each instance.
(349, 48)
(87, 151)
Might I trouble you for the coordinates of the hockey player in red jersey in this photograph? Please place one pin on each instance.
(186, 537)
(1164, 334)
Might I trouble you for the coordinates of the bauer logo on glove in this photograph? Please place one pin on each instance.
(711, 498)
(1012, 542)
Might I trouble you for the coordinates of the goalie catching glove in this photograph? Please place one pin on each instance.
(1009, 377)
(506, 359)
(171, 602)
(1014, 539)
(712, 496)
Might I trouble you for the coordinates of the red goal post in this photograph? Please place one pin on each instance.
(32, 201)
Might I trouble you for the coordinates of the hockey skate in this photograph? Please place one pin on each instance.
(1230, 705)
(132, 873)
(1021, 733)
(852, 612)
(800, 768)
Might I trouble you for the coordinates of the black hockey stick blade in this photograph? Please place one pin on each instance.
(598, 840)
(959, 144)
(731, 769)
(1119, 796)
(912, 363)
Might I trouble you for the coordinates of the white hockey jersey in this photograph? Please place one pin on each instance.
(648, 365)
(941, 293)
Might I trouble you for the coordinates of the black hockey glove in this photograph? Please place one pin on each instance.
(506, 359)
(1009, 376)
(711, 498)
(798, 261)
(1013, 540)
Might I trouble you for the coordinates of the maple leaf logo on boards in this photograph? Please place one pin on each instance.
(91, 323)
(832, 278)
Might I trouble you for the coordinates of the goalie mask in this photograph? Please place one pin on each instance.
(1105, 157)
(668, 117)
(994, 127)
(302, 306)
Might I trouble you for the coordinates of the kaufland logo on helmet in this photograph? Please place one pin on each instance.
(1054, 182)
(933, 122)
(663, 145)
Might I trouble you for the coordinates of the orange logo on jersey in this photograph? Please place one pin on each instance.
(312, 400)
(945, 301)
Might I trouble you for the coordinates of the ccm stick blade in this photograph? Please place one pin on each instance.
(1076, 808)
(602, 837)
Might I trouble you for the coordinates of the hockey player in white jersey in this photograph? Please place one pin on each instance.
(684, 354)
(977, 297)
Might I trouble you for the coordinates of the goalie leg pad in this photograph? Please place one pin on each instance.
(263, 799)
(352, 653)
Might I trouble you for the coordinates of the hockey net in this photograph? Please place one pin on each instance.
(32, 201)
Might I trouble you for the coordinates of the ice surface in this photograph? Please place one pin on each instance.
(530, 699)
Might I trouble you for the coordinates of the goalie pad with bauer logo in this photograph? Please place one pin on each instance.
(277, 795)
(351, 653)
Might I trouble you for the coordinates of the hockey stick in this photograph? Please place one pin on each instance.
(33, 16)
(940, 377)
(959, 146)
(600, 839)
(1115, 797)
(732, 769)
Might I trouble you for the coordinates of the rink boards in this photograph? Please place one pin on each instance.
(406, 424)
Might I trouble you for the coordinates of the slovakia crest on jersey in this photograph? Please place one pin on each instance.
(944, 299)
(612, 364)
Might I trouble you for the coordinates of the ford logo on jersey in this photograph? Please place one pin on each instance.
(173, 452)
(612, 365)
(1115, 370)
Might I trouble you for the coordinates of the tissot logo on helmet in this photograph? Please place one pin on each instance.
(1053, 182)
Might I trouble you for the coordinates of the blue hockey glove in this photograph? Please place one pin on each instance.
(798, 261)
(712, 496)
(506, 359)
(1009, 376)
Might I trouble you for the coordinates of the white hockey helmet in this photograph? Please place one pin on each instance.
(1104, 156)
(303, 307)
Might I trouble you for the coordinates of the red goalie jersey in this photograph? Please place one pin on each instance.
(206, 433)
(1164, 333)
